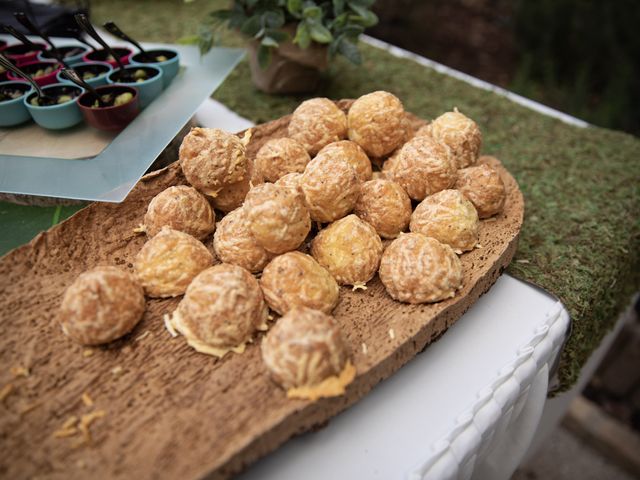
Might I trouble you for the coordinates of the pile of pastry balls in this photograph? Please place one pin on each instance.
(306, 215)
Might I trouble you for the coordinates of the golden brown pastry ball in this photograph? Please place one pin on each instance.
(233, 243)
(422, 167)
(305, 354)
(461, 134)
(297, 280)
(385, 206)
(317, 122)
(484, 187)
(353, 154)
(280, 156)
(331, 188)
(419, 269)
(448, 217)
(232, 196)
(291, 180)
(211, 158)
(350, 249)
(167, 263)
(221, 310)
(101, 305)
(180, 208)
(277, 217)
(376, 123)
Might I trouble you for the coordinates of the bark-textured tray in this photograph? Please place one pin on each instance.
(171, 412)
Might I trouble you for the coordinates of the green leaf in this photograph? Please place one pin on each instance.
(264, 56)
(251, 26)
(350, 50)
(295, 7)
(278, 35)
(312, 13)
(269, 42)
(303, 37)
(338, 7)
(361, 3)
(367, 17)
(273, 19)
(319, 33)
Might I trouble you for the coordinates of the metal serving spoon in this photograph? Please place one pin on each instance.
(16, 34)
(6, 63)
(113, 29)
(73, 76)
(29, 25)
(85, 25)
(77, 35)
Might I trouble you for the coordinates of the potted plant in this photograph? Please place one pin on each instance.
(290, 42)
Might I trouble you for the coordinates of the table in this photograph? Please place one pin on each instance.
(462, 431)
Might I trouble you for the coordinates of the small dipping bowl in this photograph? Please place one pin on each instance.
(148, 89)
(31, 68)
(21, 53)
(72, 54)
(14, 112)
(102, 55)
(56, 117)
(111, 118)
(100, 69)
(169, 67)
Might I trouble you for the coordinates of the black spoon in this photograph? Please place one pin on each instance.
(6, 63)
(85, 25)
(29, 25)
(113, 29)
(77, 35)
(16, 34)
(73, 76)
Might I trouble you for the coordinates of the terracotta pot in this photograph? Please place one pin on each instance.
(291, 70)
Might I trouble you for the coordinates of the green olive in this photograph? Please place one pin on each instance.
(161, 58)
(140, 75)
(64, 99)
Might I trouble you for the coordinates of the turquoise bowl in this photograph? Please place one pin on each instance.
(56, 117)
(70, 60)
(147, 89)
(14, 112)
(80, 68)
(170, 67)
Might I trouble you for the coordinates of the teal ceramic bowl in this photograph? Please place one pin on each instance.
(100, 69)
(148, 89)
(13, 111)
(169, 67)
(72, 54)
(59, 116)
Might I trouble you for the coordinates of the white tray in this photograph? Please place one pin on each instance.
(84, 164)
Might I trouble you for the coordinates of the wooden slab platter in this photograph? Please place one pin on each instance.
(169, 412)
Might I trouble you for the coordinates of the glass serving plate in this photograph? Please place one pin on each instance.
(86, 164)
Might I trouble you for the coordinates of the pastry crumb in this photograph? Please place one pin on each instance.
(359, 286)
(87, 353)
(117, 370)
(19, 371)
(143, 336)
(364, 348)
(523, 261)
(166, 318)
(87, 400)
(392, 334)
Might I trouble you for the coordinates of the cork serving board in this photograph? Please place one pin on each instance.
(170, 412)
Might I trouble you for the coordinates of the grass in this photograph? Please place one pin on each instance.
(581, 236)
